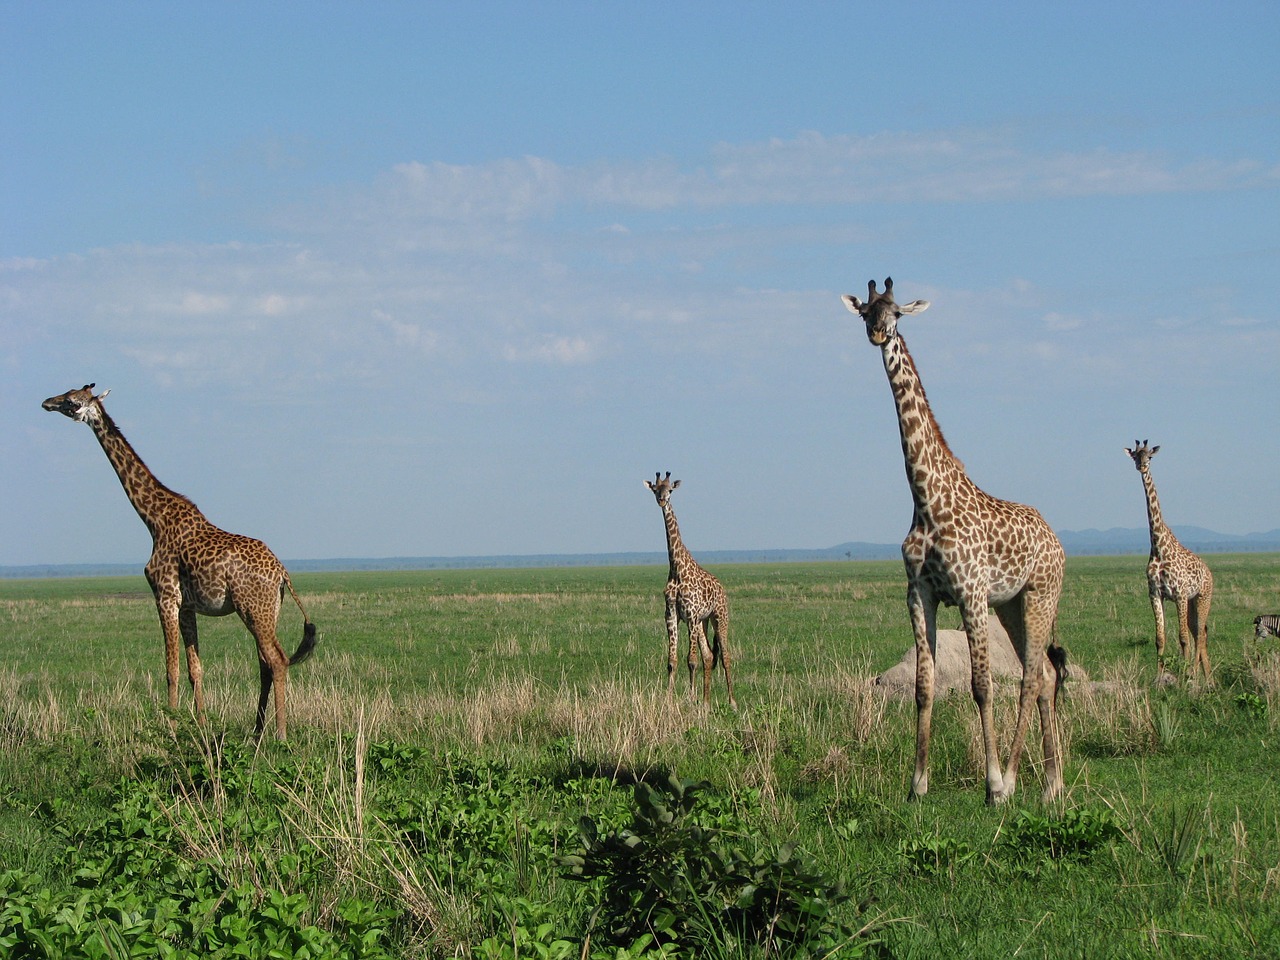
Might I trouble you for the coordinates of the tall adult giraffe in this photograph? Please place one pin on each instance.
(971, 550)
(1174, 573)
(696, 597)
(197, 568)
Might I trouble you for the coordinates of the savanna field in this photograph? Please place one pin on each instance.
(484, 763)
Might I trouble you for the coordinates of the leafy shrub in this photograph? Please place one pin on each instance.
(1074, 837)
(1252, 704)
(670, 878)
(929, 856)
(136, 887)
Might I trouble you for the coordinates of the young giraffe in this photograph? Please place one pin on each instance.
(969, 549)
(197, 568)
(696, 597)
(1174, 573)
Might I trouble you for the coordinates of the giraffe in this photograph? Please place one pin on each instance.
(696, 597)
(1174, 573)
(971, 550)
(197, 568)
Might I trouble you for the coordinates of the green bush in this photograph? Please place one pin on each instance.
(670, 878)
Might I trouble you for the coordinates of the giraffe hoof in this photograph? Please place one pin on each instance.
(997, 795)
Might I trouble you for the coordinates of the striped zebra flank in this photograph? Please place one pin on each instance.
(1266, 625)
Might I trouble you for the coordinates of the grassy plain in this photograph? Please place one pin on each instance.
(517, 700)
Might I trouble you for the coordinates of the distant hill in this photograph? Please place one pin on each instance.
(1138, 540)
(1117, 540)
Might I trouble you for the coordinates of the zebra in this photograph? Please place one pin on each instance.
(1266, 625)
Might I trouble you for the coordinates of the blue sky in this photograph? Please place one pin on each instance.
(451, 279)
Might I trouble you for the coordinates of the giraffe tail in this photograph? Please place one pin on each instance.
(309, 637)
(308, 644)
(1058, 657)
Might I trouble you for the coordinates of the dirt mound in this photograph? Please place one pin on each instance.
(951, 664)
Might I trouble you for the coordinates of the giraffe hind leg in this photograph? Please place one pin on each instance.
(1186, 643)
(720, 652)
(273, 664)
(699, 652)
(265, 678)
(1199, 615)
(1029, 623)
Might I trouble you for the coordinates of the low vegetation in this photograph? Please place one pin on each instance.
(484, 764)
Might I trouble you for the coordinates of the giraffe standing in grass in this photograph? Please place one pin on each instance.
(197, 568)
(968, 549)
(1174, 573)
(696, 597)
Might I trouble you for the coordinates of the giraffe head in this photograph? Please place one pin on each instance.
(880, 313)
(1141, 454)
(79, 405)
(662, 487)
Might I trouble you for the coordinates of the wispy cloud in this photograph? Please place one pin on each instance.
(528, 261)
(948, 167)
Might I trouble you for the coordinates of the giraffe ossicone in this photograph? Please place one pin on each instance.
(971, 550)
(196, 568)
(695, 597)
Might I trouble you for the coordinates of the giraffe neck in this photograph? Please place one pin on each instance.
(1162, 538)
(933, 471)
(154, 502)
(678, 557)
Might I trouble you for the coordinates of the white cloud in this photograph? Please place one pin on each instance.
(563, 350)
(526, 261)
(506, 190)
(197, 304)
(277, 305)
(1061, 321)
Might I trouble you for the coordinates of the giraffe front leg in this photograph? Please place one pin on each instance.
(195, 670)
(924, 626)
(1185, 641)
(1157, 609)
(974, 617)
(673, 645)
(172, 648)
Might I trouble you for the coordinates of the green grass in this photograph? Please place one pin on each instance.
(455, 725)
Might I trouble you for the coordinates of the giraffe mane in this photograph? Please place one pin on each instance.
(928, 407)
(110, 425)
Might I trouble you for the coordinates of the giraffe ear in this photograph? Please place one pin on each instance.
(1155, 449)
(648, 485)
(853, 303)
(915, 306)
(677, 482)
